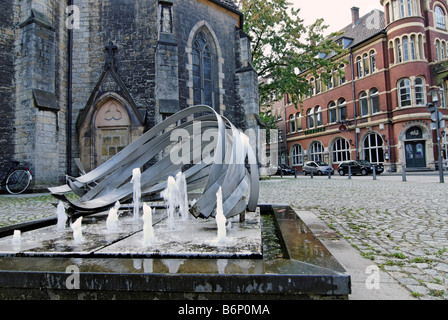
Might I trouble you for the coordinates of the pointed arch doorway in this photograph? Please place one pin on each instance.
(105, 128)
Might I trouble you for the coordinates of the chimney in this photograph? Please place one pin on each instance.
(355, 15)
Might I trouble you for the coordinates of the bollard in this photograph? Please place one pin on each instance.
(295, 173)
(374, 172)
(403, 169)
(349, 172)
(329, 174)
(312, 174)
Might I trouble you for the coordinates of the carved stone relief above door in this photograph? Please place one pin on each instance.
(113, 130)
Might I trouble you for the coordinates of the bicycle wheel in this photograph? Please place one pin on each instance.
(18, 181)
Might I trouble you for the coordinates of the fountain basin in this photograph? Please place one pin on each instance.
(296, 266)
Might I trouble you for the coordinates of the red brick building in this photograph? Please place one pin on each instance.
(376, 108)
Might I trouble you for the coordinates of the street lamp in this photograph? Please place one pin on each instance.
(437, 119)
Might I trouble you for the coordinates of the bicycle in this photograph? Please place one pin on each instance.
(18, 178)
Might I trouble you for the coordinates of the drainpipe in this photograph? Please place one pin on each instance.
(69, 116)
(354, 103)
(285, 133)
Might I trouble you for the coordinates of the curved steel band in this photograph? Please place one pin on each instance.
(224, 167)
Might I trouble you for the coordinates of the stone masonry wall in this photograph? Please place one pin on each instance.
(41, 54)
(6, 84)
(187, 15)
(131, 26)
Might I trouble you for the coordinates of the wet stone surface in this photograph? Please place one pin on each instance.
(190, 238)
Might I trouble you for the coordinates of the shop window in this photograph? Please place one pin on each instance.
(297, 155)
(373, 148)
(341, 150)
(317, 151)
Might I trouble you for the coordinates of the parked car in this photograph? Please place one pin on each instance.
(283, 169)
(359, 166)
(317, 167)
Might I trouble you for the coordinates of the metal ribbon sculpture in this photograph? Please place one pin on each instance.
(231, 164)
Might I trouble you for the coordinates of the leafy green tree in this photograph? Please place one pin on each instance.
(270, 122)
(283, 48)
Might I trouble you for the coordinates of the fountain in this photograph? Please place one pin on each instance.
(137, 192)
(77, 231)
(170, 194)
(148, 229)
(112, 218)
(61, 216)
(220, 218)
(166, 254)
(16, 238)
(182, 195)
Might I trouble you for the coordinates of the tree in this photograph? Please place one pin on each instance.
(270, 122)
(283, 48)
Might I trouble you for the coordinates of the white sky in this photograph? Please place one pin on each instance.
(336, 13)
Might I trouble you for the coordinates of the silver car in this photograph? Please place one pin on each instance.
(318, 168)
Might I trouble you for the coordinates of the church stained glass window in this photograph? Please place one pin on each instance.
(202, 71)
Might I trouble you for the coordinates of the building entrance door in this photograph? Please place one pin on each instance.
(415, 154)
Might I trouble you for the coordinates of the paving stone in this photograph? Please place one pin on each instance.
(408, 281)
(442, 267)
(418, 289)
(386, 217)
(435, 286)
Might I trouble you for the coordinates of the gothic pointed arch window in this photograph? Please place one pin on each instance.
(203, 74)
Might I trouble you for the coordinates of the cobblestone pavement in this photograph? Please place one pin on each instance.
(26, 207)
(401, 226)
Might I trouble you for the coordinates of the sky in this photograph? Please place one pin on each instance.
(336, 13)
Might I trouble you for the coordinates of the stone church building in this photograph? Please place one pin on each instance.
(84, 78)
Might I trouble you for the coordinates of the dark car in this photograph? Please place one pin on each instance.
(284, 170)
(359, 167)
